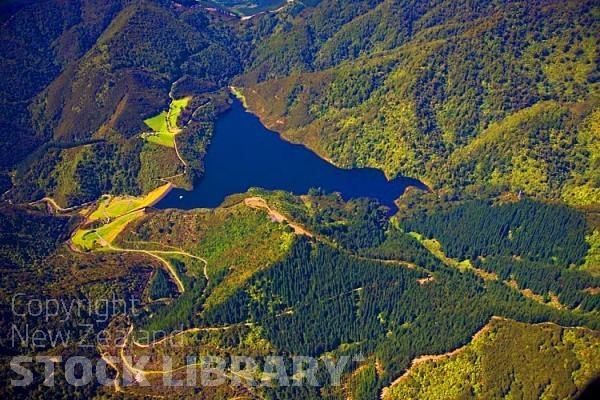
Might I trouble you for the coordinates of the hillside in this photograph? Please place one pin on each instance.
(486, 286)
(248, 8)
(236, 280)
(78, 110)
(427, 89)
(261, 282)
(428, 97)
(498, 363)
(252, 282)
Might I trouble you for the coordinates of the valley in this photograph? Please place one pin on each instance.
(405, 189)
(244, 154)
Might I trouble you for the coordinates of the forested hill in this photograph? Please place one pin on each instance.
(90, 72)
(494, 104)
(456, 92)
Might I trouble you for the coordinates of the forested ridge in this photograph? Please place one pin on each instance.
(380, 310)
(105, 68)
(384, 298)
(456, 93)
(331, 295)
(540, 246)
(528, 229)
(493, 104)
(486, 368)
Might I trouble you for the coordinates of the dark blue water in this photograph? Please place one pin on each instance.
(244, 154)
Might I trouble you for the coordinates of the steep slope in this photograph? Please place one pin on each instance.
(82, 116)
(37, 42)
(264, 290)
(499, 361)
(409, 87)
(459, 93)
(416, 88)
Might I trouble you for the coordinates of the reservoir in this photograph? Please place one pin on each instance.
(243, 153)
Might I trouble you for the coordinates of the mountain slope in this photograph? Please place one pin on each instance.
(38, 41)
(498, 363)
(406, 87)
(109, 68)
(414, 88)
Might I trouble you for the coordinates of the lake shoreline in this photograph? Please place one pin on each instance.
(238, 93)
(244, 153)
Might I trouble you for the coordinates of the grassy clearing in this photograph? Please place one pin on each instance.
(161, 134)
(117, 212)
(109, 232)
(114, 207)
(176, 108)
(162, 139)
(158, 123)
(435, 248)
(93, 239)
(164, 125)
